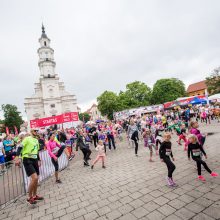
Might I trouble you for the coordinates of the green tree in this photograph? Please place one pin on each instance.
(136, 94)
(213, 82)
(12, 117)
(166, 90)
(108, 103)
(84, 116)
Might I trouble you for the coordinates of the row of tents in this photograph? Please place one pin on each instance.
(180, 102)
(193, 100)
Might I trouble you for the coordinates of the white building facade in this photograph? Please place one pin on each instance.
(94, 113)
(50, 97)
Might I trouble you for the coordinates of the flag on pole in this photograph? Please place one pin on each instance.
(7, 130)
(207, 96)
(16, 130)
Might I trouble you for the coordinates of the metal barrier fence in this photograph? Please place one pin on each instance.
(11, 184)
(14, 181)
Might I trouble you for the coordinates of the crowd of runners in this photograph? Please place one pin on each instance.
(151, 130)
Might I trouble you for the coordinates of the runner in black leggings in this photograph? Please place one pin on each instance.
(165, 154)
(81, 143)
(195, 149)
(55, 150)
(135, 138)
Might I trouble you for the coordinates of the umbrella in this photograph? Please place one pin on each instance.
(90, 122)
(216, 96)
(99, 120)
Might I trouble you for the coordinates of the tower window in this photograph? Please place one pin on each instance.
(45, 43)
(52, 105)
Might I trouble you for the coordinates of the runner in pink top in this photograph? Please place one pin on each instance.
(55, 150)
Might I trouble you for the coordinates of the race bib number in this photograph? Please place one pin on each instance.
(55, 150)
(196, 154)
(168, 152)
(32, 156)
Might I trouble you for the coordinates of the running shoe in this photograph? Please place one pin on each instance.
(38, 198)
(214, 174)
(58, 181)
(103, 167)
(169, 181)
(178, 143)
(31, 201)
(86, 163)
(202, 178)
(71, 157)
(173, 183)
(92, 167)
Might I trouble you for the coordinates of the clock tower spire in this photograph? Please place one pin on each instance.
(46, 61)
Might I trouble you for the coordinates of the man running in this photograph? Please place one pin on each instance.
(29, 151)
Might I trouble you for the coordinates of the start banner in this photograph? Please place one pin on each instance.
(58, 119)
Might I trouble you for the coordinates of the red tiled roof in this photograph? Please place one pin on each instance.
(197, 86)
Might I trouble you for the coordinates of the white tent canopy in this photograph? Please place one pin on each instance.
(216, 96)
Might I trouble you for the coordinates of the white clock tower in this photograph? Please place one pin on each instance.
(46, 56)
(50, 97)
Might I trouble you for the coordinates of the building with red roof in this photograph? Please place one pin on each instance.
(196, 89)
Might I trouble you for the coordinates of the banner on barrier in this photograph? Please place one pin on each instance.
(47, 168)
(58, 119)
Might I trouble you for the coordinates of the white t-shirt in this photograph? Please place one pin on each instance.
(1, 148)
(143, 124)
(207, 111)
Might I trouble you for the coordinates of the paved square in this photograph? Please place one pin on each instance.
(129, 188)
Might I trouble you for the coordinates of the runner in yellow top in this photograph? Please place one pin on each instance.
(28, 149)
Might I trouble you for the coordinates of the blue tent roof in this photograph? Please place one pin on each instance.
(197, 100)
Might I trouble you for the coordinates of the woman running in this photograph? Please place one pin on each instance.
(132, 134)
(55, 150)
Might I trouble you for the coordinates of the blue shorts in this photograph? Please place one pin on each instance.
(2, 159)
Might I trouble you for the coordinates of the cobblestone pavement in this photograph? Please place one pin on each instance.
(130, 188)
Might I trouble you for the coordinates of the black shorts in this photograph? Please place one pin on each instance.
(31, 166)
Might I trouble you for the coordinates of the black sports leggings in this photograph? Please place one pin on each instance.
(158, 142)
(200, 162)
(55, 163)
(170, 166)
(136, 146)
(95, 140)
(86, 154)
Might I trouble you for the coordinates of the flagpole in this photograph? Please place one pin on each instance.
(207, 96)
